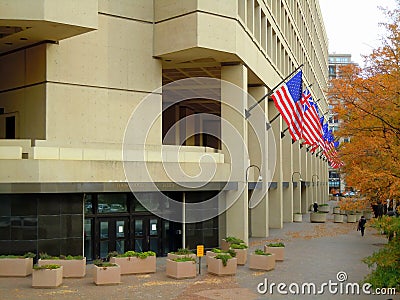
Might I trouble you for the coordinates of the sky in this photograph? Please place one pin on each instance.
(352, 25)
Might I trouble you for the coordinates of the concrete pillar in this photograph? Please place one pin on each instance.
(275, 192)
(287, 190)
(258, 140)
(304, 174)
(295, 178)
(234, 146)
(310, 192)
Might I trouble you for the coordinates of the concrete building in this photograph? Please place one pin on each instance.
(90, 141)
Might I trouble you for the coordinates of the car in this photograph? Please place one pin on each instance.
(104, 207)
(117, 207)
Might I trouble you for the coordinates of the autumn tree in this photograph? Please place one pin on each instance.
(368, 105)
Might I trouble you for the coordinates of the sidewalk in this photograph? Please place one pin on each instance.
(314, 253)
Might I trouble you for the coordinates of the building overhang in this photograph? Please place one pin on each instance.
(27, 22)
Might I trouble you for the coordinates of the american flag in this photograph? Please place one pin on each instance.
(286, 98)
(311, 129)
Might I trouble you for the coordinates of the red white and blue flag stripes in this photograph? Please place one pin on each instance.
(301, 115)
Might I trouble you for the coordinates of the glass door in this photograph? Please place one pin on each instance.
(146, 234)
(113, 235)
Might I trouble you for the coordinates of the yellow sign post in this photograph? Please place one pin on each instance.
(200, 253)
(200, 250)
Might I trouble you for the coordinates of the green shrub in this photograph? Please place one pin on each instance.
(29, 255)
(276, 245)
(51, 267)
(385, 263)
(323, 204)
(100, 263)
(260, 252)
(216, 250)
(184, 259)
(238, 246)
(183, 251)
(224, 258)
(233, 240)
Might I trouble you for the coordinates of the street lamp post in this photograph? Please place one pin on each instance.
(296, 172)
(248, 200)
(312, 179)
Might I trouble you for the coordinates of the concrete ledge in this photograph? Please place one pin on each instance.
(10, 152)
(46, 153)
(71, 154)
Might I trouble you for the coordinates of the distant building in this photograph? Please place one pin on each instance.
(336, 179)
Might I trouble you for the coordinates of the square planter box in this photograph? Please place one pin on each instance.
(351, 218)
(173, 256)
(297, 218)
(323, 208)
(208, 255)
(107, 275)
(180, 270)
(337, 218)
(216, 267)
(317, 217)
(47, 278)
(225, 245)
(241, 255)
(72, 268)
(278, 251)
(135, 265)
(336, 210)
(262, 262)
(16, 267)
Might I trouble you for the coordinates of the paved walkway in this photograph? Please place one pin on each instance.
(315, 253)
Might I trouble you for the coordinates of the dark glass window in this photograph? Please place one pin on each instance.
(110, 203)
(49, 227)
(23, 228)
(71, 226)
(48, 205)
(5, 205)
(88, 199)
(5, 228)
(23, 205)
(71, 203)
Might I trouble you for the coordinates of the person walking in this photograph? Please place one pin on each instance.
(361, 225)
(315, 207)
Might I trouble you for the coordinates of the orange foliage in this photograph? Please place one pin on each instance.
(368, 103)
(354, 205)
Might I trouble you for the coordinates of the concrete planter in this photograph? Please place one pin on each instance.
(317, 217)
(297, 218)
(216, 267)
(72, 268)
(323, 208)
(47, 278)
(210, 254)
(262, 262)
(278, 251)
(351, 218)
(336, 210)
(337, 218)
(225, 245)
(135, 265)
(16, 267)
(107, 275)
(181, 270)
(241, 255)
(173, 256)
(358, 215)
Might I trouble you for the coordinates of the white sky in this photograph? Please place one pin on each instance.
(352, 25)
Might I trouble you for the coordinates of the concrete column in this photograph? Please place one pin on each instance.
(309, 189)
(234, 146)
(295, 178)
(287, 191)
(303, 170)
(258, 141)
(275, 192)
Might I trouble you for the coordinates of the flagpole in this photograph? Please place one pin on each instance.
(247, 111)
